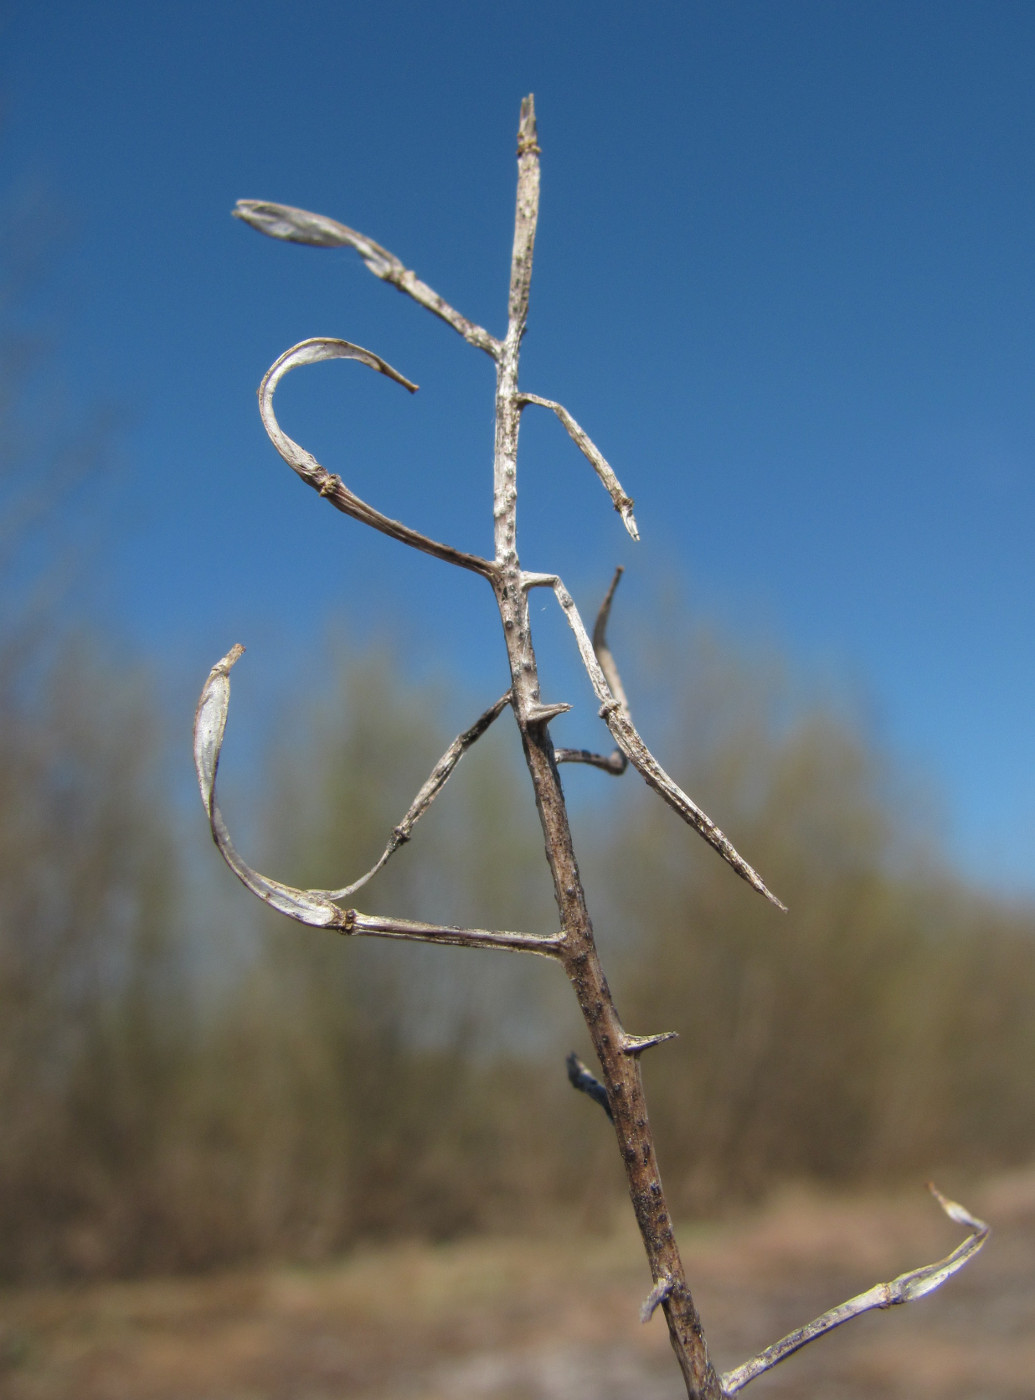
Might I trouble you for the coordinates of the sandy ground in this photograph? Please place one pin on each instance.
(556, 1319)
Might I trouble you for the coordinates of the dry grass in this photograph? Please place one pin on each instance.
(552, 1319)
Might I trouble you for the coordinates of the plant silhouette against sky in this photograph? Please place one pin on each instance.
(620, 1090)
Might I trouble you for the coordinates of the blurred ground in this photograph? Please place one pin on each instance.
(556, 1319)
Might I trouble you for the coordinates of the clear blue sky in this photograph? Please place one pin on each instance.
(785, 277)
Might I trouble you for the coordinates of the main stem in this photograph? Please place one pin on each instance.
(615, 1049)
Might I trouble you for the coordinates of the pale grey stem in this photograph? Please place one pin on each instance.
(508, 410)
(310, 352)
(623, 504)
(299, 226)
(548, 944)
(904, 1289)
(425, 797)
(615, 716)
(313, 907)
(616, 761)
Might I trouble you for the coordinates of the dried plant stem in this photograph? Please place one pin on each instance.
(620, 1091)
(623, 504)
(615, 762)
(615, 714)
(581, 961)
(904, 1289)
(299, 226)
(436, 781)
(317, 907)
(310, 352)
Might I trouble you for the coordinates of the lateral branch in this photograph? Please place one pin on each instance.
(904, 1289)
(315, 907)
(317, 231)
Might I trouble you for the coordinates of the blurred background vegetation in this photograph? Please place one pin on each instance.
(187, 1082)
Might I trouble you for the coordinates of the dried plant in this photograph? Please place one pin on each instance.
(620, 1090)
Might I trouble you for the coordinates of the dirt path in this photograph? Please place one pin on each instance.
(557, 1320)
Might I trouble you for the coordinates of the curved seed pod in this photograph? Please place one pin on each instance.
(313, 907)
(904, 1289)
(300, 226)
(623, 504)
(615, 762)
(311, 352)
(615, 714)
(307, 906)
